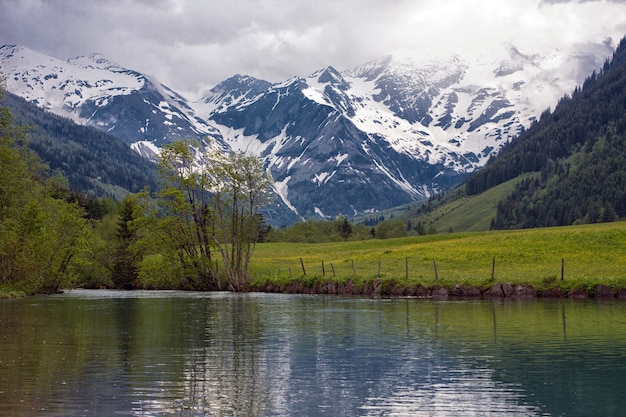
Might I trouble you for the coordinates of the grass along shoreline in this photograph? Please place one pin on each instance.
(586, 256)
(530, 262)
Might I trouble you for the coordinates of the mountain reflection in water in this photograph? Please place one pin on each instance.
(102, 353)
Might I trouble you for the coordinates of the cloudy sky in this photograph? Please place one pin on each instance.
(190, 45)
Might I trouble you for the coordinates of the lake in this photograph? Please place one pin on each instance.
(144, 353)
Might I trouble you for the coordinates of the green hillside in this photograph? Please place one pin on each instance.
(458, 212)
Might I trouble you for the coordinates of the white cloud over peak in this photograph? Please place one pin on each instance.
(191, 45)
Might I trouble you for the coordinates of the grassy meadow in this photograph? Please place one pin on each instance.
(592, 254)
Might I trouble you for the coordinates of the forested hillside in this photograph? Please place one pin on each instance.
(92, 161)
(578, 152)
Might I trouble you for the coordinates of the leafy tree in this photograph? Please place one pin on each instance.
(208, 202)
(40, 231)
(391, 228)
(96, 262)
(181, 220)
(240, 187)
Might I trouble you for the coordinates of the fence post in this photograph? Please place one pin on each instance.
(562, 269)
(406, 267)
(323, 269)
(353, 269)
(379, 269)
(333, 269)
(303, 270)
(493, 268)
(436, 273)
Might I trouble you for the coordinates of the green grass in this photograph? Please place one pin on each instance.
(469, 214)
(592, 254)
(8, 292)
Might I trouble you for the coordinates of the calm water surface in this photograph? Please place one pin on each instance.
(107, 353)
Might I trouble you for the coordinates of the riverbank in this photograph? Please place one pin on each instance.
(377, 288)
(574, 261)
(10, 294)
(577, 261)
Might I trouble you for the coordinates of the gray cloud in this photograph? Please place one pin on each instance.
(193, 44)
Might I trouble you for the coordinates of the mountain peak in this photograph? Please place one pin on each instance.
(370, 70)
(331, 76)
(231, 92)
(385, 133)
(18, 55)
(8, 50)
(239, 81)
(95, 60)
(95, 91)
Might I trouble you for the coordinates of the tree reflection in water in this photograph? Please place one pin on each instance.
(191, 354)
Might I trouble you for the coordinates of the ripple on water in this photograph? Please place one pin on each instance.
(180, 354)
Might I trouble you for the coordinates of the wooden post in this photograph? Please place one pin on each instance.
(562, 269)
(303, 270)
(493, 268)
(353, 269)
(406, 267)
(378, 269)
(332, 269)
(436, 274)
(323, 270)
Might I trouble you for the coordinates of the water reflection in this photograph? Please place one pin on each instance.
(189, 354)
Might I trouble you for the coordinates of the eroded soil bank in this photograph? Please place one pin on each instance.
(377, 288)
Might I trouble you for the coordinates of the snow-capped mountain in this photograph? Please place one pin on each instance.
(393, 130)
(94, 91)
(388, 132)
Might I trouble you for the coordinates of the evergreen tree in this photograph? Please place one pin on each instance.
(420, 229)
(344, 228)
(125, 269)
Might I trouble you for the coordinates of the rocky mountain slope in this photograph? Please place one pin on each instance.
(94, 91)
(393, 130)
(336, 142)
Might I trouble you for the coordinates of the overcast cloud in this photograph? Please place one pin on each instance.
(191, 45)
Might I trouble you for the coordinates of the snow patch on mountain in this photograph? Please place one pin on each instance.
(146, 149)
(92, 90)
(391, 131)
(418, 121)
(63, 86)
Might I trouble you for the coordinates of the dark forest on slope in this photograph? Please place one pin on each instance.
(578, 152)
(92, 161)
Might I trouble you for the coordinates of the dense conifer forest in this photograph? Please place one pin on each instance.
(578, 153)
(93, 162)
